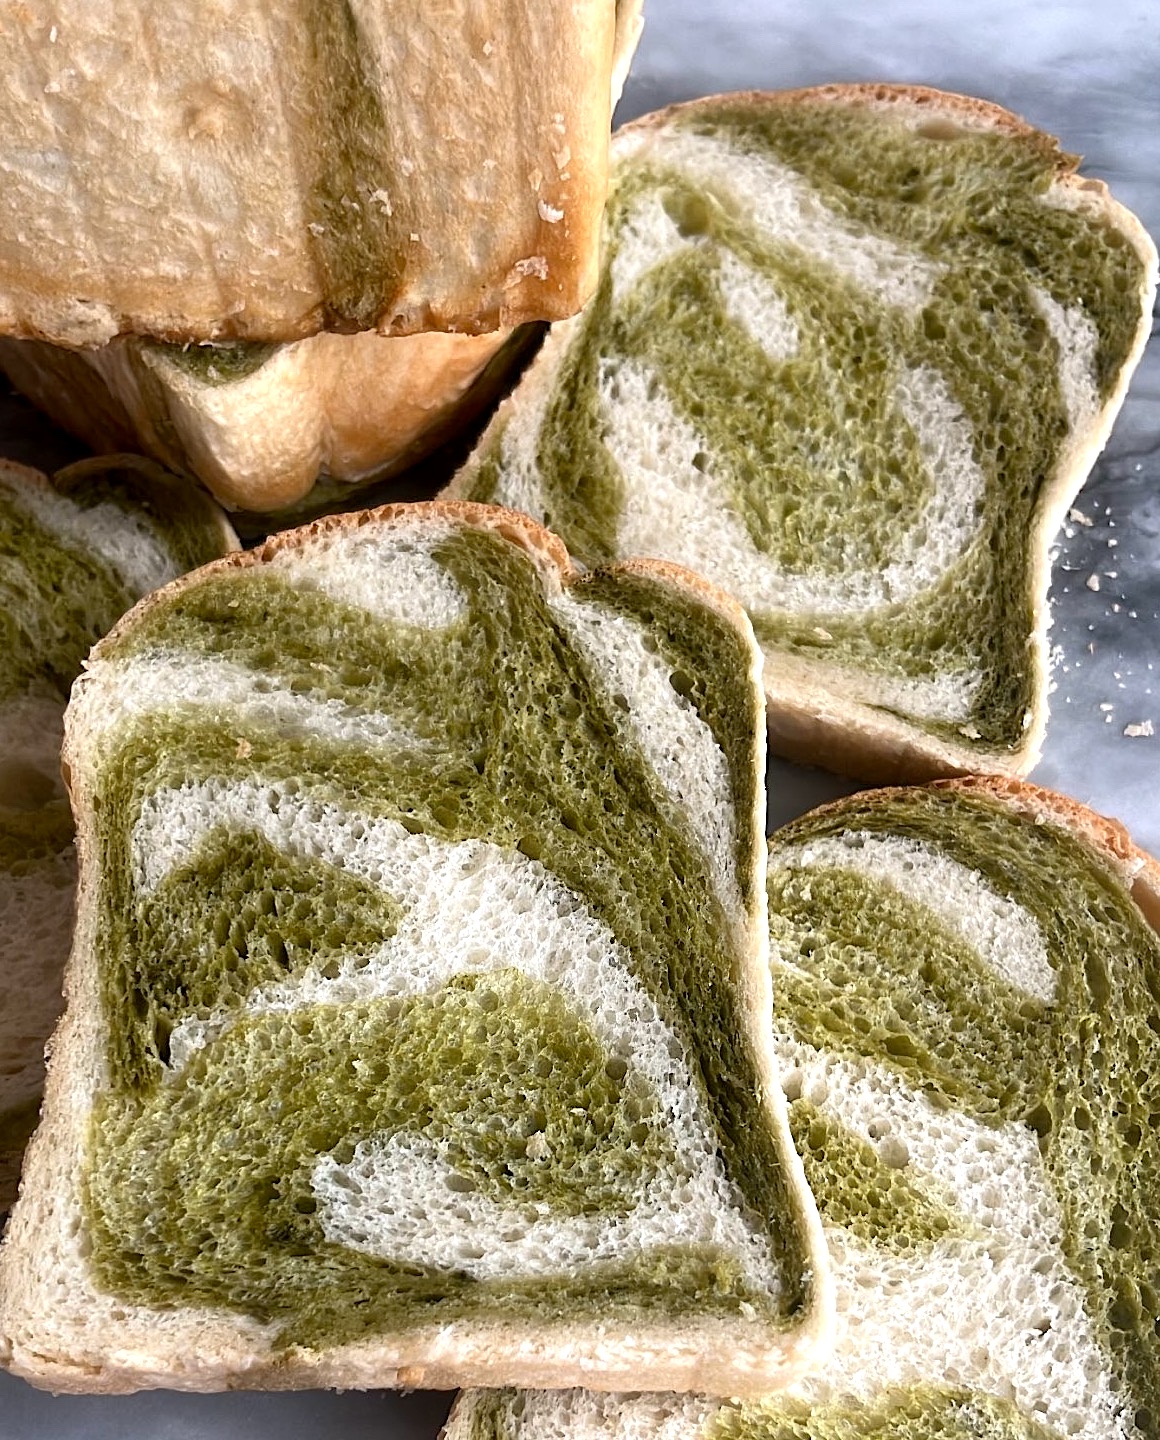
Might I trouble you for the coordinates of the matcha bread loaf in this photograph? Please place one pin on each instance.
(853, 351)
(966, 983)
(268, 427)
(261, 171)
(418, 1013)
(77, 549)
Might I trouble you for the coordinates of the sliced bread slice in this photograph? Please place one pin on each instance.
(966, 983)
(79, 548)
(261, 171)
(853, 352)
(418, 1022)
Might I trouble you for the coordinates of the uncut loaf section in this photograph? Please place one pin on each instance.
(77, 549)
(853, 351)
(966, 982)
(262, 171)
(418, 1024)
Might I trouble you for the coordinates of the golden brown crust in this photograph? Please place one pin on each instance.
(1107, 837)
(981, 114)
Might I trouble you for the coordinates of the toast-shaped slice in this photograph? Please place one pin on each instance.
(853, 352)
(418, 1021)
(79, 548)
(965, 1019)
(260, 171)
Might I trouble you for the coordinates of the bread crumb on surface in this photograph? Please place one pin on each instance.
(1143, 727)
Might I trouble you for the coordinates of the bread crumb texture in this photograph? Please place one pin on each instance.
(423, 887)
(841, 354)
(77, 552)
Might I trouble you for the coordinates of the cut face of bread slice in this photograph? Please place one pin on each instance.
(853, 351)
(965, 985)
(419, 1008)
(259, 171)
(79, 549)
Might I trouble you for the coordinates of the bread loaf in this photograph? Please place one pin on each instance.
(274, 428)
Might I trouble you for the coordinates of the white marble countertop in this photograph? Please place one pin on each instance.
(1083, 69)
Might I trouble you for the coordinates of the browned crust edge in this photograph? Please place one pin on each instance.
(1107, 837)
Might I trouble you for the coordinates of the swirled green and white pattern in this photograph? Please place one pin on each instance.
(423, 884)
(836, 359)
(77, 551)
(963, 1012)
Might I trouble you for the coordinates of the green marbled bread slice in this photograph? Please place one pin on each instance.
(853, 351)
(966, 982)
(418, 1024)
(261, 171)
(77, 550)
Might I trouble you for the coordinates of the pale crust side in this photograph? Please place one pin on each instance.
(349, 407)
(1107, 838)
(212, 1350)
(224, 202)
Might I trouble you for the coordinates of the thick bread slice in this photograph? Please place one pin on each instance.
(263, 171)
(418, 1013)
(79, 548)
(965, 982)
(853, 352)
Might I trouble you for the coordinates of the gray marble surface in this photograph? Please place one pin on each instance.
(1085, 70)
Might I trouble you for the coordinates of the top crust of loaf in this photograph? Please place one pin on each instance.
(263, 172)
(140, 1346)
